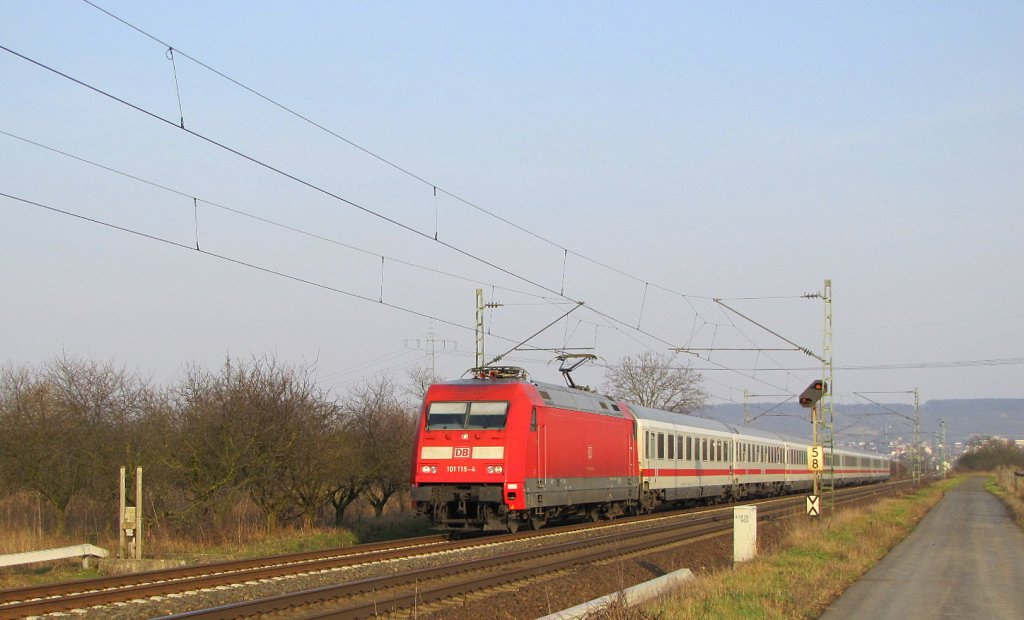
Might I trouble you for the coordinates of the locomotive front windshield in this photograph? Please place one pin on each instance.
(473, 415)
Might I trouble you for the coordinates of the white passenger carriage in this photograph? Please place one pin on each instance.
(682, 457)
(685, 458)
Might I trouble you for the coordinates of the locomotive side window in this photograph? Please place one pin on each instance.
(475, 415)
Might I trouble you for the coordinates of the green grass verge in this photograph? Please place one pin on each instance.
(814, 564)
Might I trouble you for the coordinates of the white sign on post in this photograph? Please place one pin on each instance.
(813, 505)
(815, 458)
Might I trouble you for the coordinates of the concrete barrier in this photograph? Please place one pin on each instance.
(115, 566)
(86, 552)
(639, 593)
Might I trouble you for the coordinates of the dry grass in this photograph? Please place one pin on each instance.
(1009, 488)
(815, 563)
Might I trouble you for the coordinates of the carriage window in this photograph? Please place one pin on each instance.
(661, 445)
(650, 446)
(703, 449)
(467, 415)
(671, 447)
(689, 448)
(679, 447)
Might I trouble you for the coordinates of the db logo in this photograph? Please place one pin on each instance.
(462, 453)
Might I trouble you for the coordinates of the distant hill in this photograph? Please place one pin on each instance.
(867, 422)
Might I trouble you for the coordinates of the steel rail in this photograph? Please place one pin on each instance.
(65, 596)
(77, 595)
(390, 593)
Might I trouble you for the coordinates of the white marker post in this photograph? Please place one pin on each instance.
(744, 533)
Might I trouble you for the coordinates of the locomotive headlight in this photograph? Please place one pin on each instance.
(495, 469)
(429, 469)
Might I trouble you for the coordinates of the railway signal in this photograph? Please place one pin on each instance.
(813, 393)
(815, 453)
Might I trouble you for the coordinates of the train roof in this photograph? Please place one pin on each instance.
(763, 434)
(570, 398)
(657, 415)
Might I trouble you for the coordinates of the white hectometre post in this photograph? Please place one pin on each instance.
(744, 533)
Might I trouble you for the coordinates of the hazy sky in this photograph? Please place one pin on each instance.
(643, 157)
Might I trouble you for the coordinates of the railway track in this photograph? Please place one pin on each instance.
(39, 600)
(387, 596)
(409, 587)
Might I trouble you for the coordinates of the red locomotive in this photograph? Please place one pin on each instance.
(498, 451)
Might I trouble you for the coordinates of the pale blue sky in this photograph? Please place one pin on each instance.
(718, 150)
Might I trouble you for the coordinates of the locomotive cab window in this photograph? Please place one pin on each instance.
(475, 415)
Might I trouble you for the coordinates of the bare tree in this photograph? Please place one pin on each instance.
(386, 427)
(653, 380)
(66, 427)
(420, 378)
(248, 430)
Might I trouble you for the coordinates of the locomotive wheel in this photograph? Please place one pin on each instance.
(537, 522)
(513, 526)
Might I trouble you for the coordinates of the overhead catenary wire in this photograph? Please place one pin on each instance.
(435, 187)
(285, 173)
(242, 263)
(268, 221)
(612, 320)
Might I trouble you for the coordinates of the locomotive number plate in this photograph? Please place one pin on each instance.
(461, 469)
